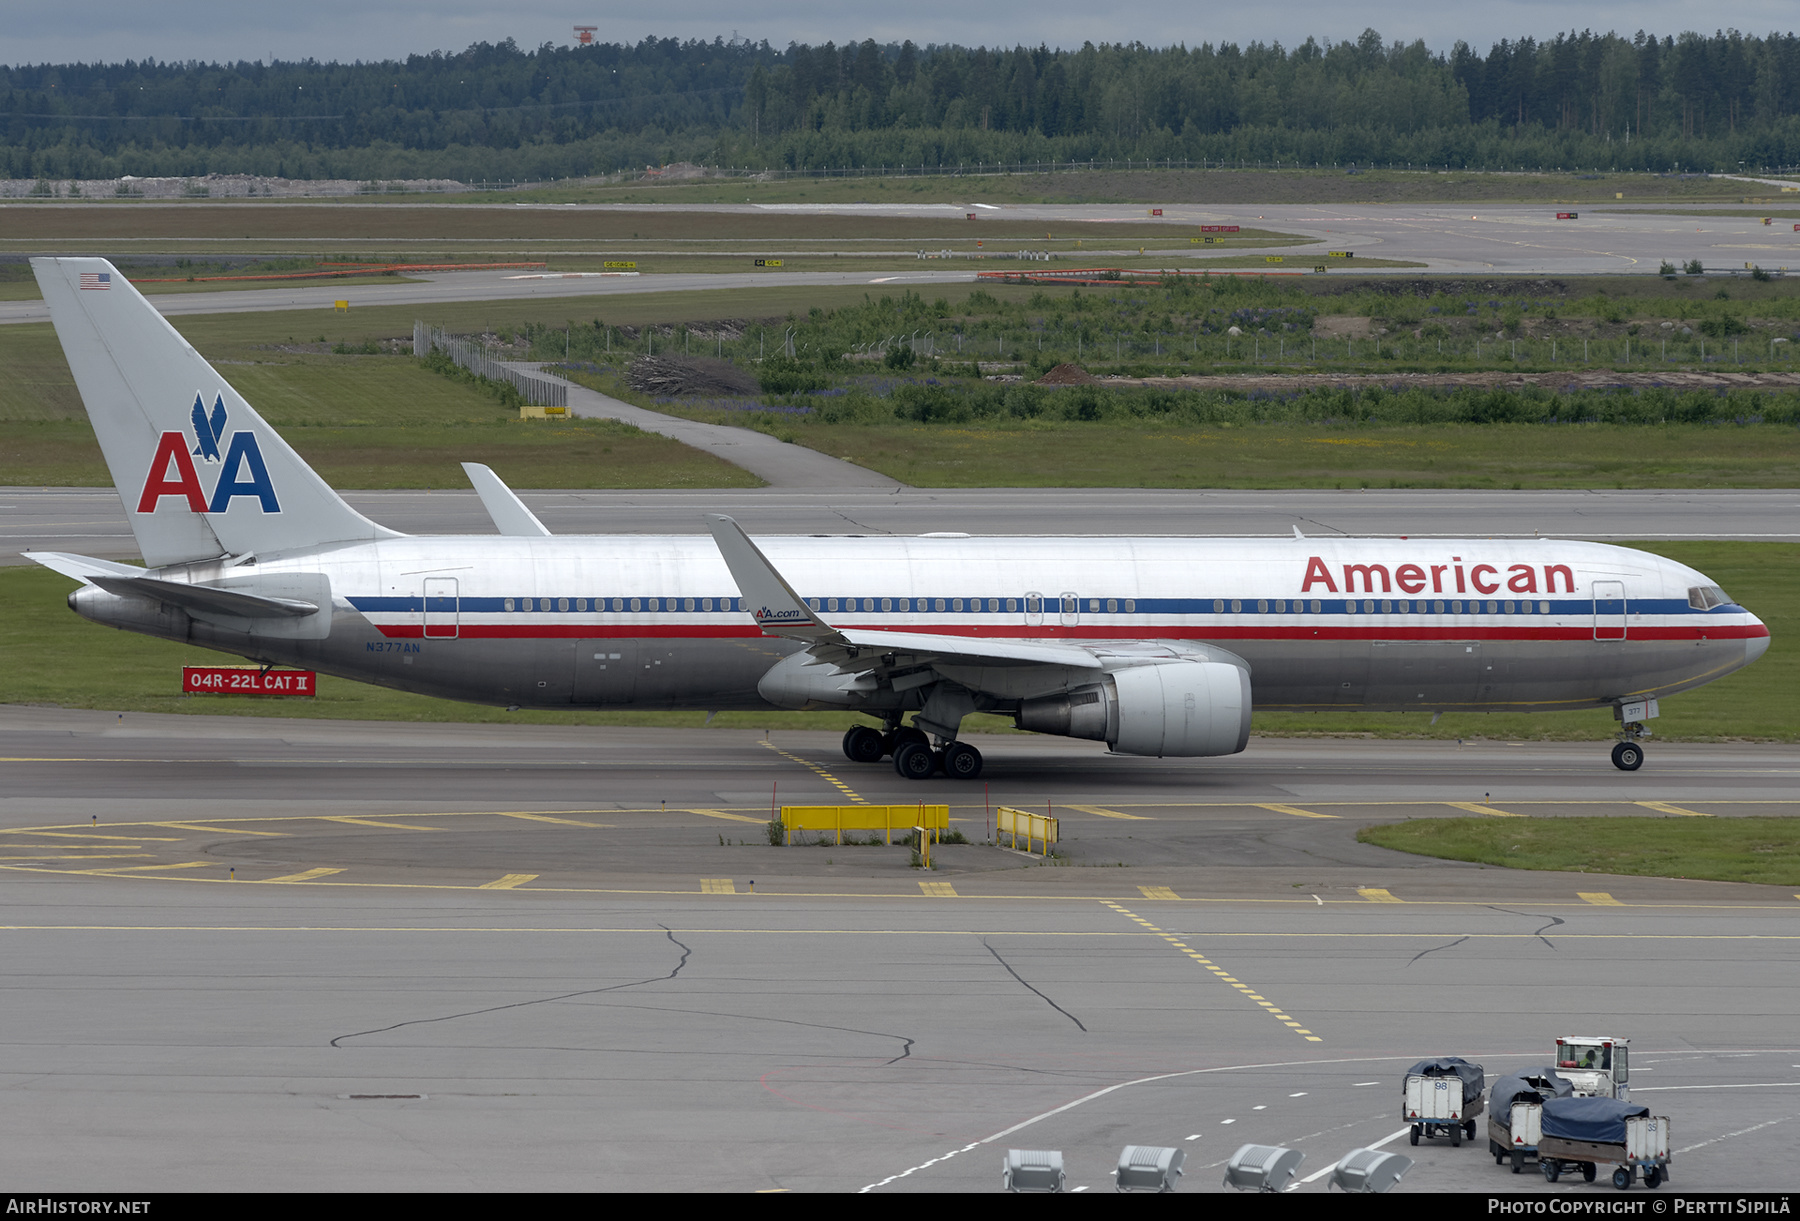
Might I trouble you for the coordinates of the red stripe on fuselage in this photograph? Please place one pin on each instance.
(701, 631)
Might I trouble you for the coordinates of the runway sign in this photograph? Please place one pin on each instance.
(1218, 228)
(1568, 216)
(247, 680)
(614, 265)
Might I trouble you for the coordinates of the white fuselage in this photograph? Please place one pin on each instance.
(658, 622)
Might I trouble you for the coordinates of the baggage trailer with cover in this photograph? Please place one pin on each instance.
(1442, 1097)
(1515, 1113)
(1583, 1133)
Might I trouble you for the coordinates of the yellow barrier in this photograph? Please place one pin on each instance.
(887, 819)
(1035, 826)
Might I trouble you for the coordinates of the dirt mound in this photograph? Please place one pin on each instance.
(1068, 375)
(669, 376)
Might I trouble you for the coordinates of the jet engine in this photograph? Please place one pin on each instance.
(1178, 708)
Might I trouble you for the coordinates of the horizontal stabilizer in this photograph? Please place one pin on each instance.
(504, 508)
(81, 567)
(206, 599)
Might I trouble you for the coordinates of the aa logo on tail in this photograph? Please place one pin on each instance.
(241, 470)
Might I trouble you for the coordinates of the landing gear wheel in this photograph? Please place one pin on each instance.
(1628, 756)
(1552, 1171)
(961, 761)
(915, 760)
(1653, 1177)
(1415, 1134)
(1621, 1178)
(863, 745)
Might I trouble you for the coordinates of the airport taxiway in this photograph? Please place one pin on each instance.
(1478, 240)
(270, 954)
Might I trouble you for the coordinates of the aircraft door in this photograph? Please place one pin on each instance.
(1609, 610)
(1034, 609)
(605, 672)
(442, 608)
(1071, 609)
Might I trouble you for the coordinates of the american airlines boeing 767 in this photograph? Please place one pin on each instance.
(1156, 646)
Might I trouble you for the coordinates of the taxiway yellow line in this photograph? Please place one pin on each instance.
(507, 881)
(308, 876)
(1663, 807)
(1296, 811)
(1475, 807)
(369, 822)
(1224, 976)
(567, 822)
(1103, 812)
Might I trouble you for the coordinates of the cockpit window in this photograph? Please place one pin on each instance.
(1705, 597)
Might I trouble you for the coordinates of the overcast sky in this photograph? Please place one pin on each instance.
(33, 31)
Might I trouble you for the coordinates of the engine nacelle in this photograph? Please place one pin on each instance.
(1177, 708)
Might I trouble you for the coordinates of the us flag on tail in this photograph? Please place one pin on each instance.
(96, 279)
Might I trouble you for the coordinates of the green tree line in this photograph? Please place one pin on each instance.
(1575, 101)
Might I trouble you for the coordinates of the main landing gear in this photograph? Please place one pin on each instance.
(914, 756)
(1628, 755)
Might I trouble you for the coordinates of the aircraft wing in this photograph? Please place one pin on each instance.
(779, 611)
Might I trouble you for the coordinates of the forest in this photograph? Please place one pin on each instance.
(1578, 100)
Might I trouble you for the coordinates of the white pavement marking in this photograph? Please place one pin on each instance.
(1740, 1132)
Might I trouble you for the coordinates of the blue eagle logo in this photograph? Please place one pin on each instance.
(208, 432)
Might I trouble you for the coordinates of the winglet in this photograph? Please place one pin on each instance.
(777, 609)
(1297, 533)
(504, 508)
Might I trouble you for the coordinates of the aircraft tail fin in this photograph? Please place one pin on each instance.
(201, 474)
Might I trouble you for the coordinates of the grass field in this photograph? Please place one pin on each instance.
(56, 657)
(1761, 850)
(364, 422)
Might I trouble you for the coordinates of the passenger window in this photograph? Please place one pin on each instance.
(1316, 605)
(1012, 604)
(956, 604)
(1112, 606)
(1218, 606)
(939, 603)
(509, 604)
(562, 604)
(1131, 606)
(636, 604)
(1543, 608)
(1262, 606)
(1237, 606)
(1438, 607)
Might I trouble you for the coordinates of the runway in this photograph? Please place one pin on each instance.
(255, 954)
(91, 521)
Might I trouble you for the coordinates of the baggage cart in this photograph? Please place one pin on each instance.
(1582, 1138)
(1515, 1114)
(1442, 1097)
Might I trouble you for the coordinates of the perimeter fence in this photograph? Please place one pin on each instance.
(473, 356)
